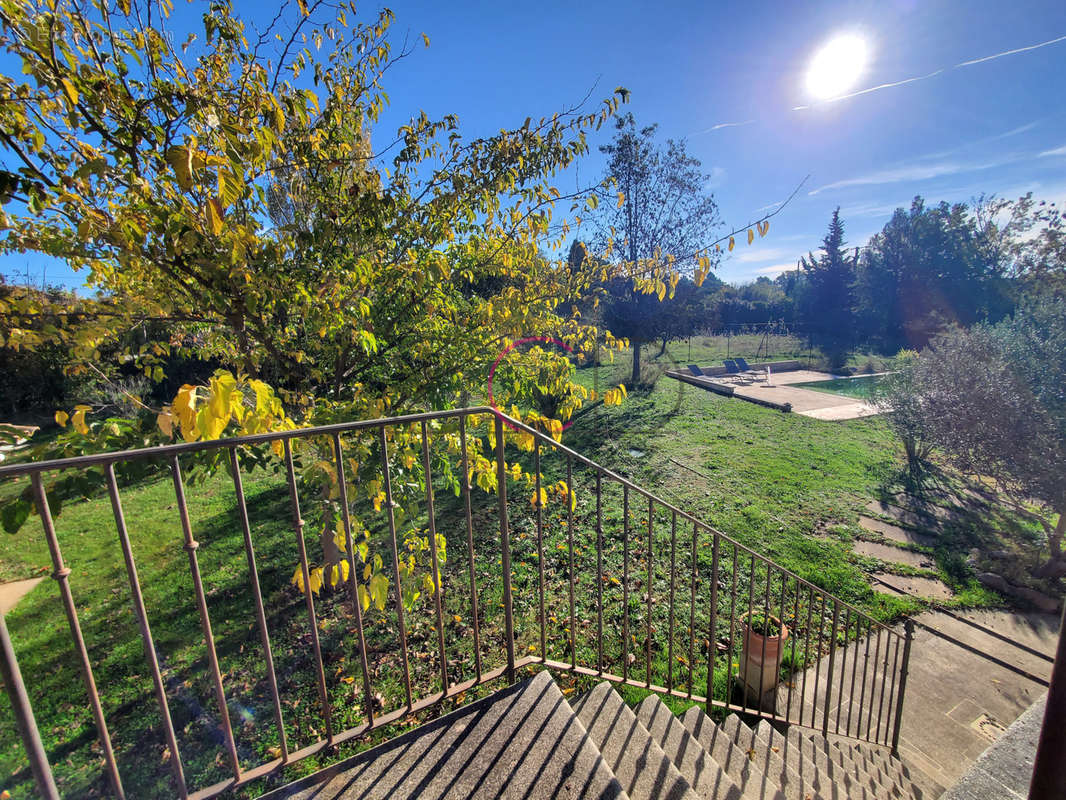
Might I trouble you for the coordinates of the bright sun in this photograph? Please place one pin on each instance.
(837, 65)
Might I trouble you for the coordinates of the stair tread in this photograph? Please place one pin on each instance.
(523, 736)
(704, 774)
(832, 779)
(768, 761)
(753, 783)
(643, 769)
(877, 763)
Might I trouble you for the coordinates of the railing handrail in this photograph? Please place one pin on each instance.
(182, 448)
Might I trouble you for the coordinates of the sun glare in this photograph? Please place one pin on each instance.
(837, 66)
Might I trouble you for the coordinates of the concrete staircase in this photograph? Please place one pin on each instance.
(528, 741)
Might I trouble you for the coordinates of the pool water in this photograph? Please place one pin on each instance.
(862, 387)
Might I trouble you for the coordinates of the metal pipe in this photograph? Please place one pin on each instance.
(24, 721)
(470, 546)
(505, 549)
(438, 580)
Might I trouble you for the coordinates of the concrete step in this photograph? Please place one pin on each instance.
(875, 762)
(736, 762)
(521, 742)
(704, 774)
(770, 763)
(640, 765)
(830, 779)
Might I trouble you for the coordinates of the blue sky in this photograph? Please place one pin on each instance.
(998, 126)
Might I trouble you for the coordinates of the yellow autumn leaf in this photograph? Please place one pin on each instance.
(165, 421)
(70, 92)
(214, 216)
(732, 244)
(61, 418)
(78, 420)
(751, 235)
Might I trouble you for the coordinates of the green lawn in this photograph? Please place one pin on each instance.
(788, 486)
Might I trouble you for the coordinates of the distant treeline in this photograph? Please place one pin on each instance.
(929, 268)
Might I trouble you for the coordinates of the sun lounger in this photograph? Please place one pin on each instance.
(733, 372)
(695, 370)
(744, 366)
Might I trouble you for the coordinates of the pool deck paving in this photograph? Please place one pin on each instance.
(781, 390)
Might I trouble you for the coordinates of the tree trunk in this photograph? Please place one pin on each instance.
(662, 349)
(635, 379)
(1055, 566)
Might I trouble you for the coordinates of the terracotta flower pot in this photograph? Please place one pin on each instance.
(760, 657)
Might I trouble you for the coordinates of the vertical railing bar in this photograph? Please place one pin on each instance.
(191, 547)
(386, 472)
(732, 628)
(470, 546)
(257, 595)
(24, 720)
(881, 701)
(146, 632)
(438, 578)
(61, 575)
(670, 624)
(862, 687)
(854, 672)
(908, 628)
(651, 579)
(353, 578)
(625, 582)
(747, 637)
(873, 684)
(792, 657)
(781, 652)
(829, 676)
(843, 667)
(818, 661)
(505, 548)
(692, 611)
(599, 572)
(540, 553)
(766, 618)
(892, 690)
(807, 657)
(712, 623)
(570, 502)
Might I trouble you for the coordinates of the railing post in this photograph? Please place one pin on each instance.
(829, 676)
(1049, 768)
(505, 549)
(908, 628)
(27, 725)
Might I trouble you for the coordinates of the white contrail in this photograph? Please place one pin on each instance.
(1010, 52)
(916, 78)
(870, 89)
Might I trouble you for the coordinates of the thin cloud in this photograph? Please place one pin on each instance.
(776, 269)
(1011, 52)
(721, 125)
(1058, 151)
(913, 172)
(763, 254)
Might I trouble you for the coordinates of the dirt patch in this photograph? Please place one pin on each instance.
(895, 555)
(904, 516)
(11, 593)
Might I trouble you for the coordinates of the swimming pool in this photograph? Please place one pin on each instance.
(861, 387)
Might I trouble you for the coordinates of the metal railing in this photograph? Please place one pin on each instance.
(613, 583)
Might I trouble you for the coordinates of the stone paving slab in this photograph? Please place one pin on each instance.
(904, 516)
(893, 555)
(895, 533)
(926, 588)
